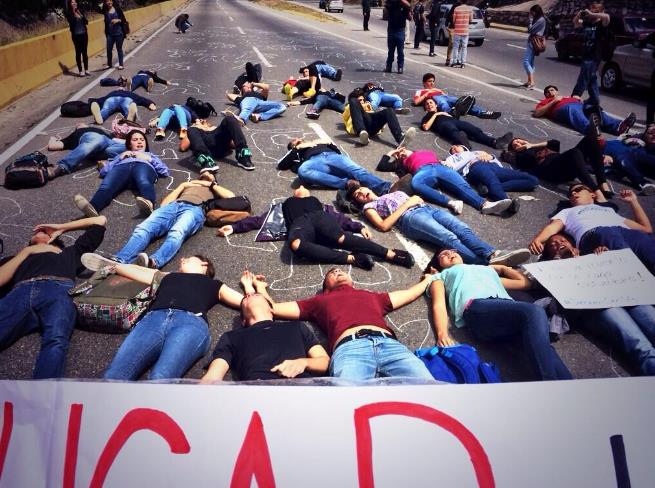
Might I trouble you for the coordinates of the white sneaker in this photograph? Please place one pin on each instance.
(85, 207)
(408, 137)
(647, 189)
(95, 111)
(510, 258)
(457, 206)
(144, 205)
(363, 138)
(496, 208)
(94, 262)
(131, 112)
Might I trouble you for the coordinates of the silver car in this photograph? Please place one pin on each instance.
(633, 64)
(477, 29)
(334, 6)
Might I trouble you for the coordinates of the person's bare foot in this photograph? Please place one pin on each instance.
(55, 144)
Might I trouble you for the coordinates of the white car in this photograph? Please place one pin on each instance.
(633, 64)
(334, 6)
(477, 29)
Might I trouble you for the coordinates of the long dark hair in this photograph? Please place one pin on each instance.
(128, 139)
(537, 12)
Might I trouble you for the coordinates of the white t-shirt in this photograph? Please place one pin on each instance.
(578, 220)
(461, 162)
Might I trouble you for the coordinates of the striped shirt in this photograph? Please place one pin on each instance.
(462, 15)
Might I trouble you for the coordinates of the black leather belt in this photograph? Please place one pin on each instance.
(361, 333)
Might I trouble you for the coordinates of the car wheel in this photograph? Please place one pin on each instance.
(611, 78)
(441, 39)
(478, 42)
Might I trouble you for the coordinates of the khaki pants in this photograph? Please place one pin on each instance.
(450, 45)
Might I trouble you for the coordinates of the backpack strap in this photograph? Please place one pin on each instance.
(464, 368)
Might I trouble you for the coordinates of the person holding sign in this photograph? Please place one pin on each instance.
(264, 349)
(631, 330)
(477, 297)
(596, 228)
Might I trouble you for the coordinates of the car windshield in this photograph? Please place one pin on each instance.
(640, 24)
(477, 14)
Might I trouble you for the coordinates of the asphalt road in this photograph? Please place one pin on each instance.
(203, 63)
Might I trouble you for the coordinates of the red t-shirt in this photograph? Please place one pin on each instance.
(418, 159)
(427, 92)
(338, 310)
(560, 104)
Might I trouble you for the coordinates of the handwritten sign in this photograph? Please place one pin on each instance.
(539, 435)
(612, 279)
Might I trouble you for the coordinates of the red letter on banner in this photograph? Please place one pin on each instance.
(72, 443)
(134, 421)
(483, 472)
(7, 427)
(254, 458)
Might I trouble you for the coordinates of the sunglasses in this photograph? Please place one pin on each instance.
(578, 189)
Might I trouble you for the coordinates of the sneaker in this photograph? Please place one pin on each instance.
(400, 71)
(254, 118)
(160, 135)
(81, 74)
(402, 111)
(503, 142)
(142, 260)
(86, 73)
(387, 69)
(488, 114)
(338, 75)
(206, 163)
(150, 84)
(495, 208)
(236, 90)
(183, 133)
(510, 258)
(647, 189)
(626, 124)
(431, 54)
(514, 207)
(462, 106)
(144, 205)
(131, 112)
(312, 114)
(457, 206)
(403, 258)
(121, 67)
(128, 84)
(403, 184)
(85, 207)
(408, 137)
(243, 159)
(95, 262)
(461, 65)
(363, 261)
(363, 138)
(95, 111)
(55, 171)
(595, 124)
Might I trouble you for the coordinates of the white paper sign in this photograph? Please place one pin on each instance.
(584, 433)
(611, 279)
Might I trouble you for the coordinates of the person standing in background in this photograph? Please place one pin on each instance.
(77, 23)
(537, 27)
(366, 12)
(419, 22)
(115, 30)
(433, 20)
(398, 11)
(462, 17)
(450, 25)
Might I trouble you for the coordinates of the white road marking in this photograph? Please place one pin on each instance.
(231, 19)
(240, 30)
(319, 131)
(262, 58)
(517, 47)
(420, 258)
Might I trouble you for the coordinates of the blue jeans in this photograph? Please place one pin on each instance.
(572, 114)
(499, 179)
(493, 318)
(118, 40)
(634, 163)
(93, 145)
(140, 176)
(181, 114)
(460, 45)
(588, 80)
(614, 238)
(324, 101)
(334, 170)
(395, 42)
(266, 110)
(326, 70)
(184, 26)
(45, 306)
(430, 176)
(168, 341)
(629, 329)
(177, 220)
(372, 357)
(442, 229)
(528, 59)
(140, 79)
(447, 102)
(381, 99)
(115, 104)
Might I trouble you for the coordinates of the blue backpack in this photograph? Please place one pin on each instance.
(458, 364)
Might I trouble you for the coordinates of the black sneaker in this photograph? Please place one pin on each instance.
(488, 114)
(503, 142)
(462, 106)
(403, 258)
(387, 69)
(243, 159)
(338, 75)
(312, 114)
(514, 207)
(626, 124)
(363, 261)
(206, 163)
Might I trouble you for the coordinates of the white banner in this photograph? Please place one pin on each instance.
(584, 433)
(611, 279)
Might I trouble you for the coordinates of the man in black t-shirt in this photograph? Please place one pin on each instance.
(433, 21)
(265, 349)
(593, 22)
(42, 274)
(398, 11)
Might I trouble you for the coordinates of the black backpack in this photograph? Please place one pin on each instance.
(29, 171)
(202, 109)
(76, 108)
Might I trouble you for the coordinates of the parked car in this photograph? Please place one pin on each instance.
(477, 28)
(633, 64)
(334, 6)
(626, 30)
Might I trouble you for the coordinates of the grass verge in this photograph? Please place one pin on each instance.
(297, 9)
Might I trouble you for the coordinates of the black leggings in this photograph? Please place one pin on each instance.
(81, 41)
(319, 233)
(573, 163)
(458, 131)
(374, 121)
(217, 142)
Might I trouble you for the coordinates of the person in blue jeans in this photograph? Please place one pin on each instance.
(631, 159)
(320, 100)
(476, 297)
(85, 143)
(375, 94)
(181, 214)
(319, 162)
(122, 101)
(41, 275)
(146, 79)
(115, 29)
(421, 222)
(253, 103)
(398, 11)
(631, 330)
(315, 71)
(177, 115)
(174, 333)
(363, 346)
(137, 167)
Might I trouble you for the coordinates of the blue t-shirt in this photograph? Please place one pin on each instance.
(115, 29)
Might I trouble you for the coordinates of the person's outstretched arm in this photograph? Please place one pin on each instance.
(641, 221)
(400, 298)
(537, 244)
